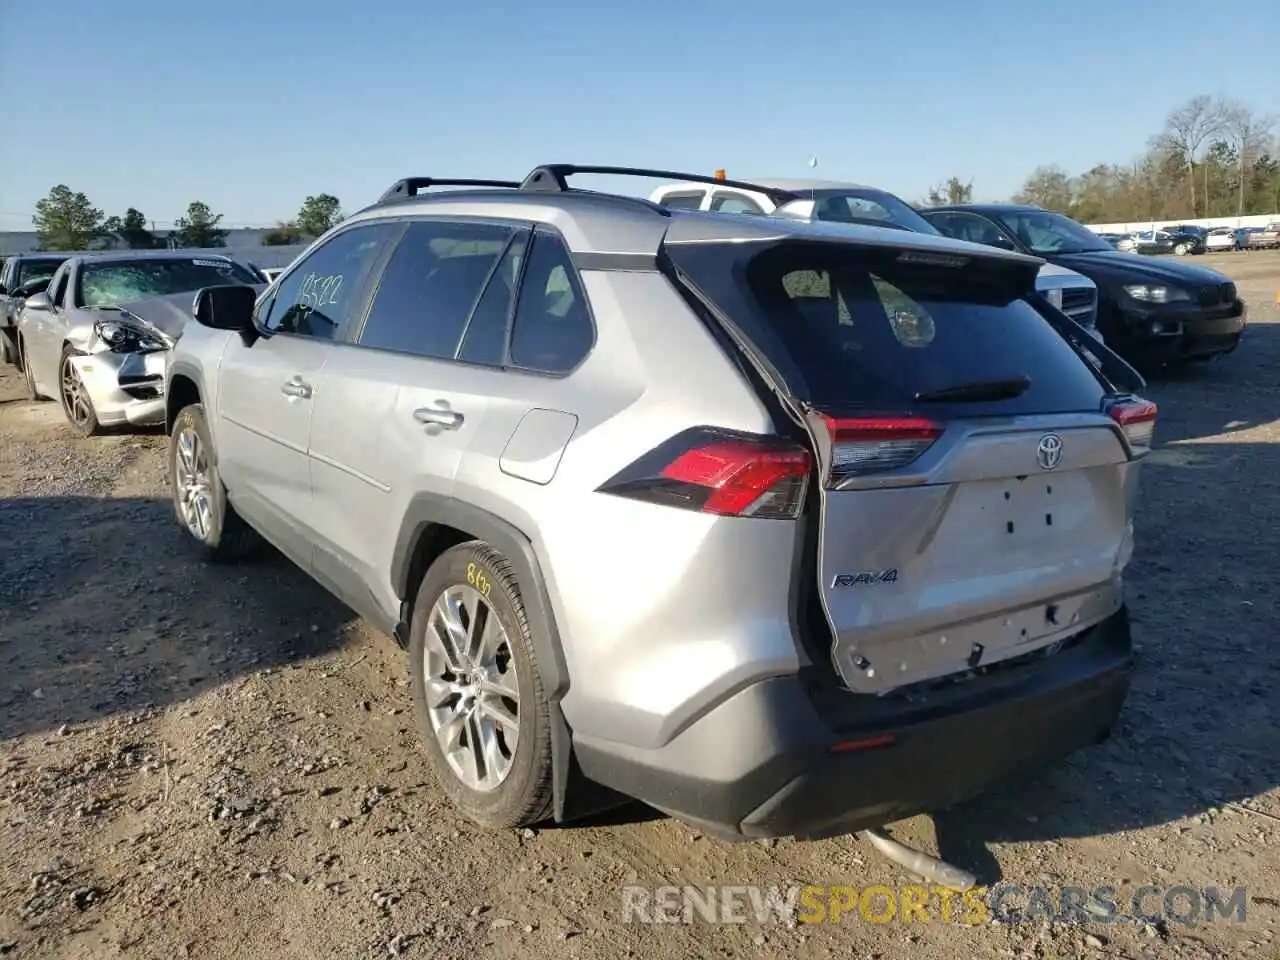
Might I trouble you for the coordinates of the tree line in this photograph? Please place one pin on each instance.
(1213, 158)
(67, 220)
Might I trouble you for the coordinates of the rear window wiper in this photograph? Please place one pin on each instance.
(977, 391)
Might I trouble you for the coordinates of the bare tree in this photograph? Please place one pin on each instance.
(1187, 129)
(1248, 134)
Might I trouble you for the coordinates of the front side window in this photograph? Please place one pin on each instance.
(1045, 233)
(431, 285)
(113, 282)
(552, 331)
(58, 285)
(326, 289)
(971, 227)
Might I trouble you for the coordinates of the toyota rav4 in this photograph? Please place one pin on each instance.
(783, 528)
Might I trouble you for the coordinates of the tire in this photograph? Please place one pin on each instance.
(28, 378)
(520, 794)
(77, 405)
(1181, 249)
(8, 348)
(221, 534)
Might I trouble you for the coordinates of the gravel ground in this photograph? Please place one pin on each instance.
(222, 762)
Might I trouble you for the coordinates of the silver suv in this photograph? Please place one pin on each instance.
(782, 528)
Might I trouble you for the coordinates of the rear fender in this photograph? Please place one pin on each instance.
(428, 510)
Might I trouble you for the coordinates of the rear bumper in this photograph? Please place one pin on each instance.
(762, 763)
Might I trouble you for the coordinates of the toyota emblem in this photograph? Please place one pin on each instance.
(1049, 451)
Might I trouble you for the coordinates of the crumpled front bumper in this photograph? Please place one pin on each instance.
(126, 388)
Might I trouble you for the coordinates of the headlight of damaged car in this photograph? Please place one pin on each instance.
(1155, 293)
(121, 337)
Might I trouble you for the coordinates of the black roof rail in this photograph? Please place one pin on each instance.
(412, 186)
(553, 178)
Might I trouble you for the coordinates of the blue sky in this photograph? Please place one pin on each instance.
(250, 106)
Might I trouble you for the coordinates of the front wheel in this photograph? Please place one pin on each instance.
(1181, 249)
(28, 378)
(199, 498)
(477, 690)
(77, 405)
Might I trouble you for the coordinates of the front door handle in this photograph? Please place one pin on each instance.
(296, 389)
(438, 417)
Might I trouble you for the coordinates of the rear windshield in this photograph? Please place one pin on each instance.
(871, 207)
(855, 329)
(120, 281)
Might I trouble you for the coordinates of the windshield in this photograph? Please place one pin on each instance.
(30, 271)
(872, 207)
(1044, 233)
(120, 281)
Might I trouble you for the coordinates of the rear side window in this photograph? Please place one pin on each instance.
(485, 340)
(552, 331)
(430, 286)
(734, 203)
(682, 201)
(848, 328)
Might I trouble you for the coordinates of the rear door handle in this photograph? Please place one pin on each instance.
(439, 417)
(295, 388)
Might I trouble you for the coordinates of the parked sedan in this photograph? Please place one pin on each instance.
(1164, 241)
(21, 276)
(98, 337)
(1152, 313)
(1221, 238)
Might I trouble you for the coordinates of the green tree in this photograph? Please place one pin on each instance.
(67, 221)
(318, 214)
(282, 235)
(1049, 187)
(954, 190)
(132, 230)
(199, 228)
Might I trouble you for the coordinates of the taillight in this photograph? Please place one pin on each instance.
(863, 445)
(1137, 418)
(714, 471)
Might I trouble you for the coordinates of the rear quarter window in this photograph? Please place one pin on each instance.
(849, 328)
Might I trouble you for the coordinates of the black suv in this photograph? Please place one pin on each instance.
(20, 277)
(1151, 312)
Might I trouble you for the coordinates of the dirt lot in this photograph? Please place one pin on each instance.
(221, 763)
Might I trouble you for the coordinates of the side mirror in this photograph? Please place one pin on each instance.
(33, 286)
(227, 307)
(39, 301)
(1004, 243)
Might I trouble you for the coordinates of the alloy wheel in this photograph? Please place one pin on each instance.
(472, 693)
(192, 484)
(75, 399)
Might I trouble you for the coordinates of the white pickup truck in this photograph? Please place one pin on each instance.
(839, 202)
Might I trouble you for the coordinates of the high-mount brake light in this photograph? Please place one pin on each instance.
(1137, 419)
(728, 474)
(862, 445)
